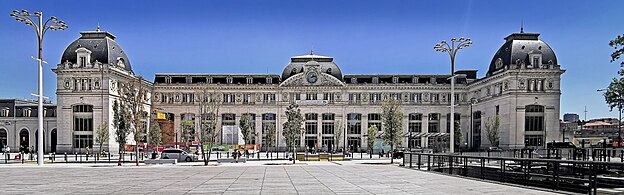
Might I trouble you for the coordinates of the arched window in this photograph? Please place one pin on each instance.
(24, 139)
(53, 140)
(3, 138)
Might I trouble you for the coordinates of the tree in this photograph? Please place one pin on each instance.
(392, 119)
(134, 96)
(188, 130)
(459, 137)
(208, 124)
(120, 123)
(618, 45)
(292, 127)
(372, 136)
(154, 135)
(338, 131)
(492, 129)
(270, 135)
(101, 135)
(246, 126)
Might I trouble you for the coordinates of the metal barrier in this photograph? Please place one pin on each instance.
(564, 175)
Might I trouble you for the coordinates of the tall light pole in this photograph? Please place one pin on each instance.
(41, 28)
(456, 45)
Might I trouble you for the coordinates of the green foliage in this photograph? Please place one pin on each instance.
(188, 130)
(270, 134)
(246, 125)
(120, 123)
(459, 136)
(154, 135)
(618, 45)
(101, 134)
(613, 95)
(492, 128)
(392, 119)
(372, 136)
(293, 125)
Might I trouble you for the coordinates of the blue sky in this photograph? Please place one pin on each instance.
(364, 37)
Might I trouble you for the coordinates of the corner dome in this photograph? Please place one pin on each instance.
(102, 48)
(518, 47)
(325, 62)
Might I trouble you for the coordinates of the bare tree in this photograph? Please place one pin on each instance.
(134, 96)
(188, 130)
(101, 135)
(338, 132)
(392, 119)
(209, 112)
(492, 128)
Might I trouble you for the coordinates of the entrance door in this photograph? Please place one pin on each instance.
(53, 141)
(3, 138)
(24, 140)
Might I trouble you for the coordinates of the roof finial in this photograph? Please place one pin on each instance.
(521, 26)
(98, 27)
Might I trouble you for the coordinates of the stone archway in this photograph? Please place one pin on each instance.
(24, 139)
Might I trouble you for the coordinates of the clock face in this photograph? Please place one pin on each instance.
(312, 77)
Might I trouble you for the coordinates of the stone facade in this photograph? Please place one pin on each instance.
(522, 88)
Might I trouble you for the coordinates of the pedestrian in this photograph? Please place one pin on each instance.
(8, 152)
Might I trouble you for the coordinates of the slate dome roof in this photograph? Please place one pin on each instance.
(518, 46)
(326, 63)
(103, 48)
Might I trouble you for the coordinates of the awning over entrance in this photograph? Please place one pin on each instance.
(417, 134)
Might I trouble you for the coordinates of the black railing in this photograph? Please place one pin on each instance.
(564, 175)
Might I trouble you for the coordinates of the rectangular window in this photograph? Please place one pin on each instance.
(311, 127)
(83, 61)
(328, 128)
(82, 141)
(415, 127)
(311, 96)
(533, 140)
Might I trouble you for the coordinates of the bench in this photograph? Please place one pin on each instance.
(160, 161)
(231, 160)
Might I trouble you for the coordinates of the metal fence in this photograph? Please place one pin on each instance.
(565, 175)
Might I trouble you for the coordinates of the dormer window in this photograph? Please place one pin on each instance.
(121, 62)
(83, 56)
(395, 79)
(536, 59)
(249, 80)
(269, 80)
(4, 112)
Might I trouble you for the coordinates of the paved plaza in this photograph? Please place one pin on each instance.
(253, 178)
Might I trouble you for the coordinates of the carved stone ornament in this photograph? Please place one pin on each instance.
(506, 85)
(284, 95)
(549, 84)
(239, 97)
(385, 96)
(425, 97)
(522, 84)
(178, 97)
(67, 83)
(365, 97)
(156, 97)
(259, 97)
(113, 85)
(337, 96)
(405, 97)
(218, 97)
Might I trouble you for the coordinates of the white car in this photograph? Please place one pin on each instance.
(181, 155)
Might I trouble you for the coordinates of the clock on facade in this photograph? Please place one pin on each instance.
(312, 77)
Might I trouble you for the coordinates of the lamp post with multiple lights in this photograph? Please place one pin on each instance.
(41, 28)
(456, 45)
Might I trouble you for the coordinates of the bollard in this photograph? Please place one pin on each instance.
(80, 158)
(65, 156)
(76, 156)
(109, 157)
(87, 157)
(22, 157)
(410, 160)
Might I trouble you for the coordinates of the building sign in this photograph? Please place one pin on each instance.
(311, 102)
(162, 116)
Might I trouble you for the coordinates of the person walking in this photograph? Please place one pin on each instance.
(8, 152)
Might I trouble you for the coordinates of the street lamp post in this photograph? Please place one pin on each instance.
(456, 45)
(41, 28)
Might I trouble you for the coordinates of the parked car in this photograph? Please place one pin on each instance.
(181, 155)
(494, 149)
